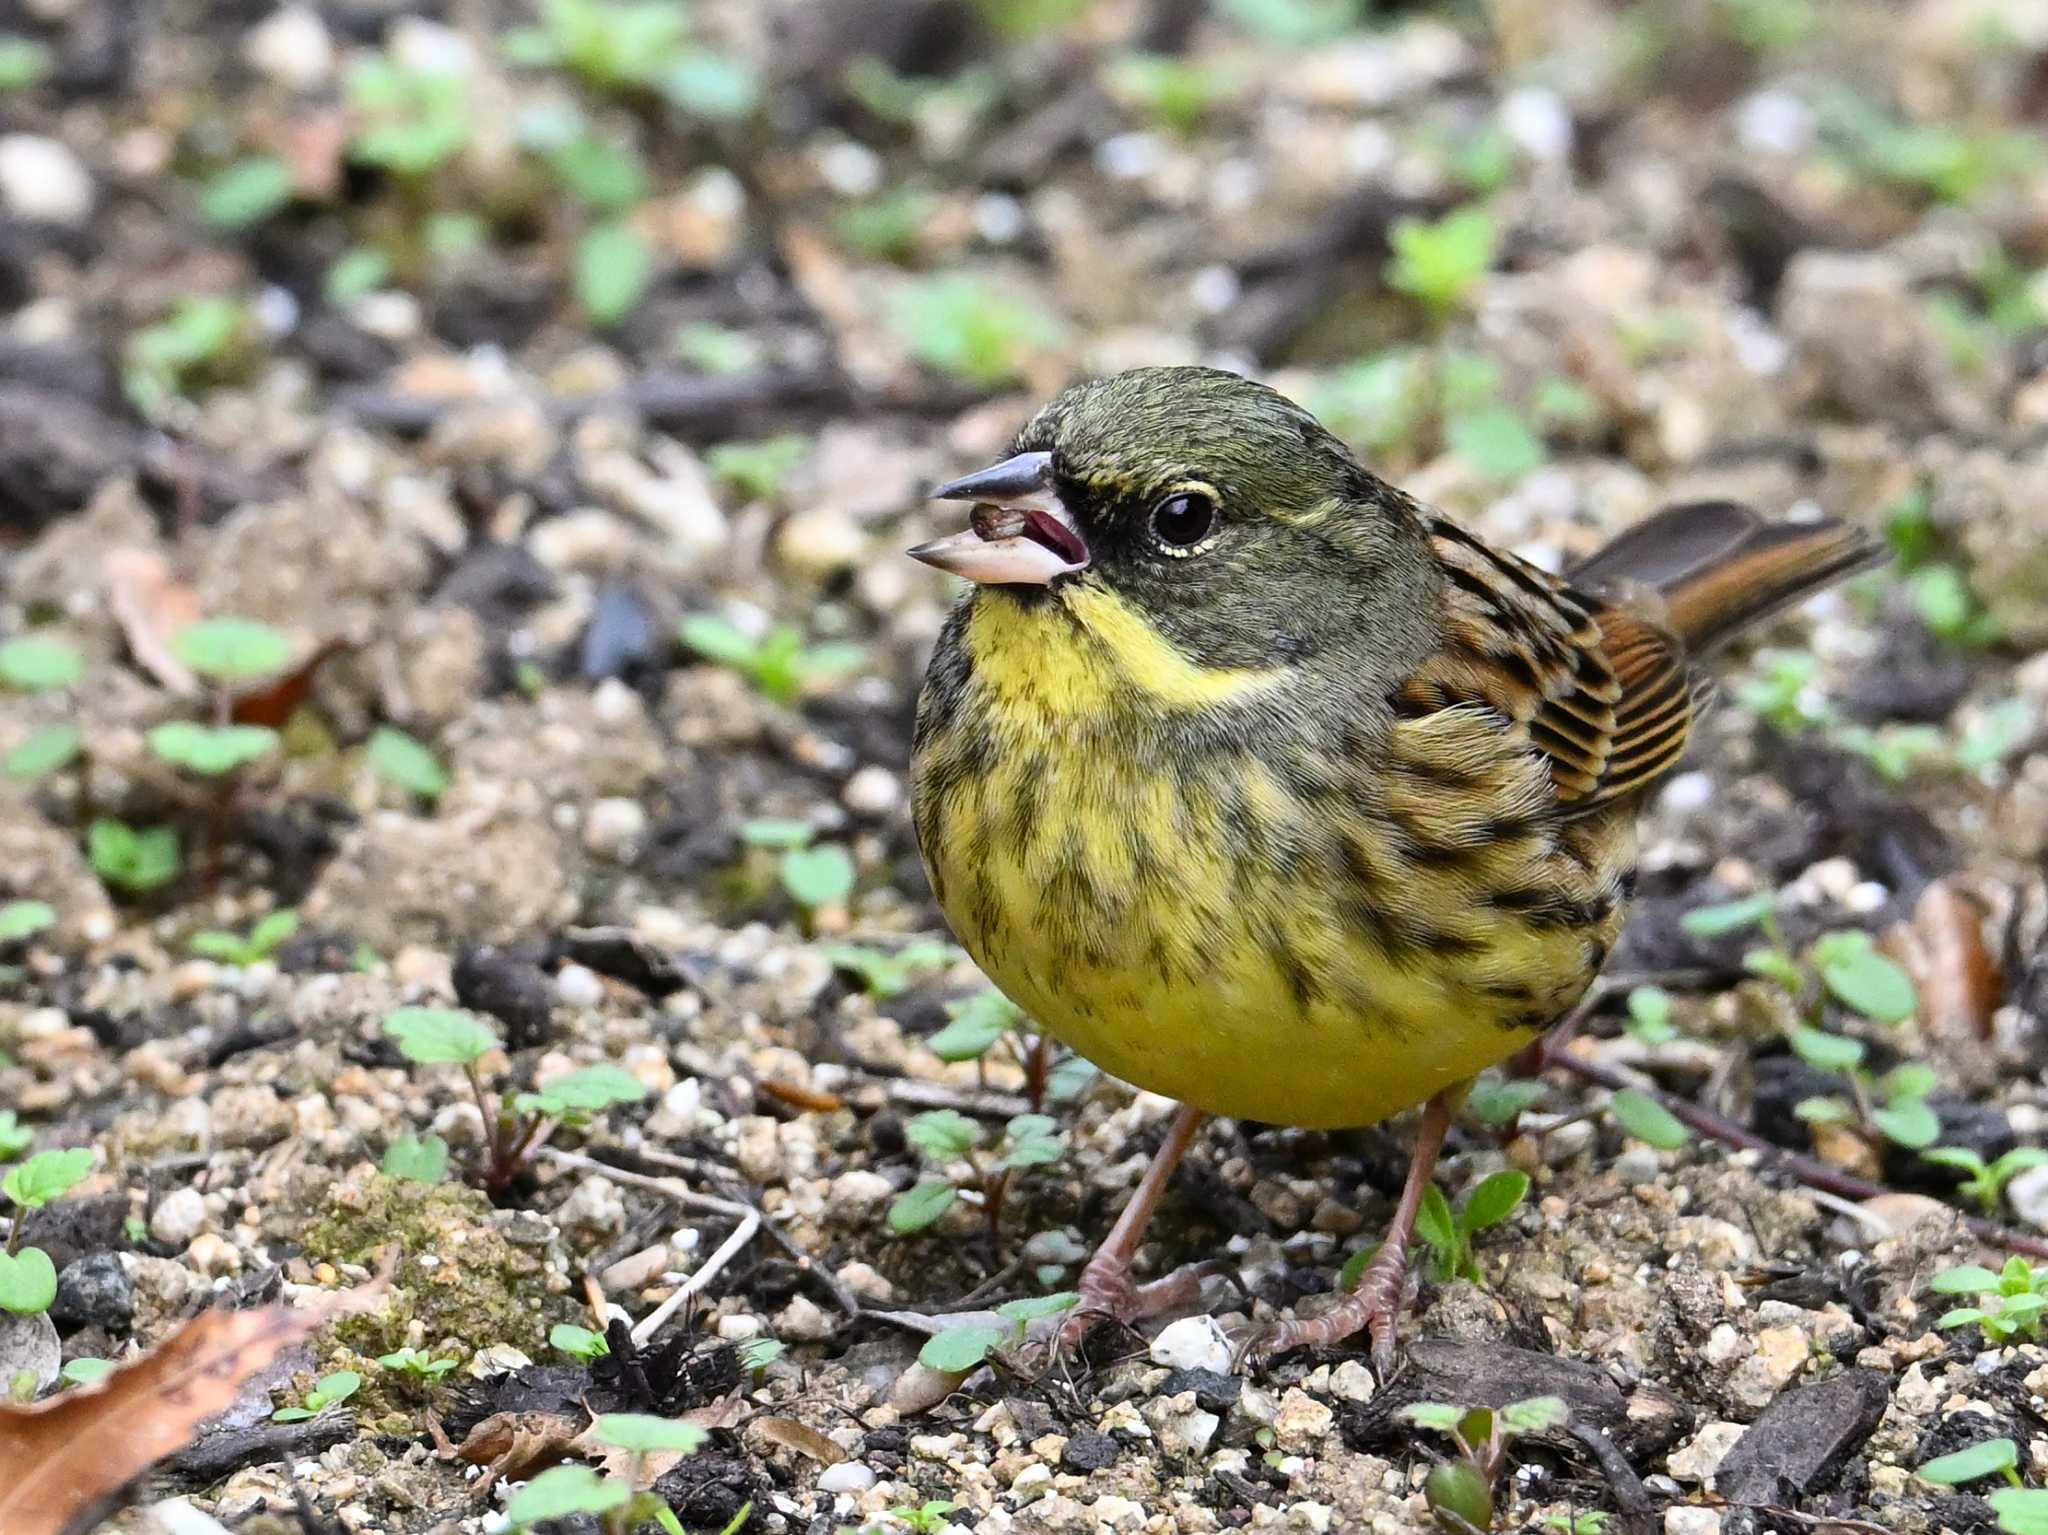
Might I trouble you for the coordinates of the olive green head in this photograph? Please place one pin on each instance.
(1238, 526)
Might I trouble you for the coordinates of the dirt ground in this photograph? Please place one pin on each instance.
(563, 385)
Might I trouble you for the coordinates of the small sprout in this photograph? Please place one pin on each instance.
(2009, 1302)
(15, 1137)
(1592, 1522)
(1647, 1120)
(1989, 1457)
(211, 750)
(44, 750)
(944, 1135)
(23, 62)
(247, 192)
(232, 650)
(583, 1092)
(28, 1281)
(329, 1391)
(817, 876)
(564, 1491)
(1984, 1182)
(757, 470)
(885, 974)
(261, 942)
(1448, 1233)
(398, 758)
(1824, 1051)
(132, 859)
(921, 1205)
(24, 919)
(613, 266)
(976, 1024)
(945, 1138)
(1441, 263)
(2021, 1511)
(1729, 916)
(1495, 441)
(421, 1159)
(86, 1372)
(409, 120)
(1785, 691)
(1949, 609)
(438, 1036)
(928, 1518)
(1649, 1015)
(643, 1434)
(776, 832)
(414, 1363)
(1031, 1140)
(46, 1176)
(162, 361)
(779, 664)
(969, 329)
(1498, 1103)
(1460, 1493)
(1862, 979)
(578, 1342)
(40, 663)
(355, 274)
(756, 1354)
(960, 1348)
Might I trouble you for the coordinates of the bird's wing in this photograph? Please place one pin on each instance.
(1601, 692)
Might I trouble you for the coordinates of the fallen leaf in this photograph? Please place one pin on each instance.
(58, 1456)
(789, 1434)
(1943, 948)
(516, 1444)
(152, 605)
(275, 700)
(653, 1465)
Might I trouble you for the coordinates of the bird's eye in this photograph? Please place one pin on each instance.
(1183, 520)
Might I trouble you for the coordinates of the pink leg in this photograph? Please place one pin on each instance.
(1106, 1287)
(1375, 1305)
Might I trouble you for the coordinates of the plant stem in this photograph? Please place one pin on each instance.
(493, 1131)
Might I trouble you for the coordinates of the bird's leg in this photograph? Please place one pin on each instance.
(1106, 1287)
(1374, 1305)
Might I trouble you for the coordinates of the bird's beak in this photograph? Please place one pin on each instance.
(1021, 534)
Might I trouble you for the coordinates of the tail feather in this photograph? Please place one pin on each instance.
(1719, 567)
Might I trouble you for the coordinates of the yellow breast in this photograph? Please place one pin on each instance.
(1189, 916)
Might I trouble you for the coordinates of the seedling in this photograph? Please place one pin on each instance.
(1441, 263)
(756, 1354)
(637, 47)
(948, 1142)
(415, 1365)
(247, 192)
(28, 1279)
(329, 1391)
(1498, 1102)
(257, 945)
(779, 664)
(970, 330)
(958, 1349)
(812, 876)
(190, 347)
(620, 1504)
(84, 1372)
(886, 974)
(2009, 1302)
(23, 62)
(1785, 691)
(976, 1024)
(610, 272)
(1893, 1105)
(757, 470)
(515, 1132)
(1460, 1492)
(399, 759)
(1988, 1457)
(15, 1137)
(1592, 1522)
(1949, 609)
(43, 663)
(578, 1342)
(2020, 1511)
(1985, 1181)
(408, 120)
(1649, 1016)
(422, 1159)
(20, 920)
(928, 1518)
(1641, 1115)
(1447, 1233)
(1177, 94)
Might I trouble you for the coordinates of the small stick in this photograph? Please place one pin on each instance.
(656, 1319)
(1807, 1170)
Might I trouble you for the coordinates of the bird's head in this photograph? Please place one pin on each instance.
(1223, 512)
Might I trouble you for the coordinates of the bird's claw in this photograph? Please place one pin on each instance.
(1109, 1294)
(1373, 1308)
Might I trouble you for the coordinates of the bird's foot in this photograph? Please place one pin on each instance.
(1373, 1307)
(1108, 1293)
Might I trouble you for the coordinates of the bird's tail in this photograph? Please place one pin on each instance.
(1717, 567)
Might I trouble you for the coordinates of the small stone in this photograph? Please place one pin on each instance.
(1353, 1382)
(291, 47)
(1683, 1519)
(2029, 1195)
(740, 1327)
(1182, 1429)
(1193, 1343)
(803, 1320)
(1700, 1457)
(95, 1291)
(596, 1206)
(1088, 1452)
(1301, 1422)
(178, 1217)
(41, 180)
(854, 1198)
(578, 986)
(1213, 1392)
(510, 987)
(213, 1255)
(614, 827)
(873, 791)
(847, 1476)
(28, 1345)
(637, 1270)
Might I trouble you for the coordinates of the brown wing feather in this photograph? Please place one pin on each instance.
(1602, 694)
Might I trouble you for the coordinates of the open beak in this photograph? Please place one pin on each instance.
(1021, 535)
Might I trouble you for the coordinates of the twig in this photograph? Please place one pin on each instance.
(936, 1095)
(1802, 1169)
(707, 1271)
(1630, 1496)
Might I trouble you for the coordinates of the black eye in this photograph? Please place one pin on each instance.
(1184, 520)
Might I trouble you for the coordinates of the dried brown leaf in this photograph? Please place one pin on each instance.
(152, 605)
(1944, 949)
(789, 1434)
(517, 1444)
(59, 1456)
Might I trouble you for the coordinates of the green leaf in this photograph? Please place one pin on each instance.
(1962, 1316)
(977, 1024)
(247, 192)
(1435, 1224)
(1534, 1415)
(15, 1138)
(777, 832)
(131, 859)
(707, 83)
(588, 1090)
(38, 663)
(211, 750)
(337, 1387)
(942, 1134)
(1823, 1111)
(2021, 1511)
(354, 274)
(717, 639)
(1910, 1080)
(1441, 262)
(232, 649)
(608, 176)
(1863, 979)
(1824, 1051)
(1988, 1458)
(84, 1372)
(818, 876)
(1494, 1200)
(1647, 1120)
(644, 1434)
(1440, 1416)
(959, 1349)
(1969, 1279)
(23, 62)
(1496, 1104)
(756, 1354)
(438, 1035)
(966, 327)
(43, 750)
(578, 1342)
(1025, 1312)
(46, 1176)
(920, 1206)
(1729, 916)
(28, 1282)
(422, 1159)
(400, 759)
(612, 268)
(1649, 1015)
(24, 919)
(1910, 1123)
(1354, 1266)
(565, 1490)
(1960, 1158)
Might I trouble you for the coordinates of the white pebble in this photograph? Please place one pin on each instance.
(847, 1476)
(291, 47)
(178, 1217)
(873, 791)
(579, 986)
(42, 181)
(1193, 1343)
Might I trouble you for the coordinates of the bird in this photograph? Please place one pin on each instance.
(1269, 789)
